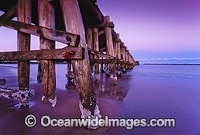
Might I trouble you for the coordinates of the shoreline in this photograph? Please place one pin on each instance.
(167, 64)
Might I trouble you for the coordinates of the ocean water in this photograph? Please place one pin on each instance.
(147, 91)
(164, 91)
(10, 70)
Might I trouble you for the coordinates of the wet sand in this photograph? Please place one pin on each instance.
(12, 118)
(145, 92)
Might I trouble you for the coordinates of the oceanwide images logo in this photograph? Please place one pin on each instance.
(95, 122)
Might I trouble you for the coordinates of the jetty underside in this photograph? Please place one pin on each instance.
(90, 42)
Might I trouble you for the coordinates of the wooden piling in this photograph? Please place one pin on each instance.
(102, 69)
(89, 38)
(115, 48)
(110, 50)
(69, 67)
(90, 45)
(115, 53)
(126, 54)
(47, 19)
(124, 57)
(70, 76)
(74, 24)
(133, 61)
(23, 43)
(39, 74)
(118, 54)
(107, 70)
(96, 48)
(129, 60)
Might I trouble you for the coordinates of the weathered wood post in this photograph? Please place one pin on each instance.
(110, 50)
(39, 74)
(115, 48)
(23, 43)
(96, 48)
(129, 60)
(47, 19)
(124, 57)
(115, 53)
(90, 45)
(89, 38)
(70, 74)
(102, 70)
(133, 61)
(128, 65)
(73, 23)
(102, 67)
(126, 54)
(118, 54)
(107, 70)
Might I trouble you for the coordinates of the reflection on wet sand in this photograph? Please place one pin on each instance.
(114, 94)
(70, 85)
(104, 89)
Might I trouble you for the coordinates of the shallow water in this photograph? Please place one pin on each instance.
(159, 91)
(147, 91)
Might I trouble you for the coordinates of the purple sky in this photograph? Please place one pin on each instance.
(157, 28)
(150, 28)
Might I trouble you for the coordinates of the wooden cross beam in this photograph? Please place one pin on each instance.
(101, 54)
(104, 61)
(104, 24)
(108, 61)
(67, 53)
(92, 9)
(56, 35)
(101, 32)
(11, 13)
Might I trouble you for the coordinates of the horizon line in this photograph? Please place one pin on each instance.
(168, 59)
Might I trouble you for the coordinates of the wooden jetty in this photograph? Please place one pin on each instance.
(90, 41)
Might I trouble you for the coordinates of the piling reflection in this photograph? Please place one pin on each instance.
(114, 92)
(70, 85)
(104, 89)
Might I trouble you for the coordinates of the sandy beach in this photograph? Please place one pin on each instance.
(145, 92)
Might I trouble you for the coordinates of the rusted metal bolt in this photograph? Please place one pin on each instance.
(69, 39)
(71, 53)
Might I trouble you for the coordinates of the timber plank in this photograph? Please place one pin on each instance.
(11, 12)
(51, 34)
(75, 53)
